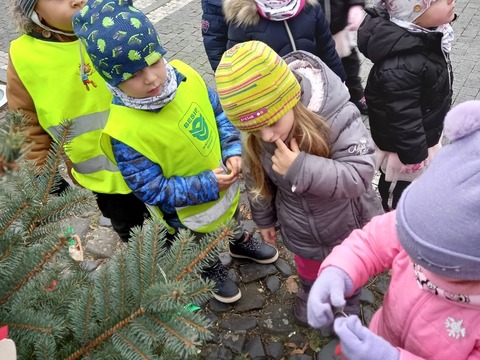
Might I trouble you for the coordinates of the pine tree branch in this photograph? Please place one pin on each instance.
(57, 159)
(187, 342)
(15, 217)
(47, 256)
(132, 346)
(107, 334)
(226, 232)
(190, 323)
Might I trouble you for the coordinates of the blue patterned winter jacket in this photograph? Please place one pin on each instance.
(146, 179)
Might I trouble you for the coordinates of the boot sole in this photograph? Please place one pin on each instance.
(265, 261)
(228, 300)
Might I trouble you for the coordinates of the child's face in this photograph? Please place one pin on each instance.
(147, 82)
(58, 13)
(439, 13)
(279, 130)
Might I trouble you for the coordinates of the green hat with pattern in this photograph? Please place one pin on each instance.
(118, 37)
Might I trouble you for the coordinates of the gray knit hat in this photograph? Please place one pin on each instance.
(438, 215)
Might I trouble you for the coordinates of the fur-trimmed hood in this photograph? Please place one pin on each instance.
(23, 23)
(244, 12)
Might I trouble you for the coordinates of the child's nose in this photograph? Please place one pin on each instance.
(78, 3)
(150, 75)
(266, 134)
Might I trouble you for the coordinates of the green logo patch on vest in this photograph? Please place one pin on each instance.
(198, 129)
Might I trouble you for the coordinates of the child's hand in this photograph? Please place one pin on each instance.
(284, 157)
(234, 165)
(412, 168)
(359, 343)
(269, 235)
(224, 180)
(355, 17)
(327, 291)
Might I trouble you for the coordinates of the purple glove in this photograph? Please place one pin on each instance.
(328, 290)
(359, 343)
(355, 17)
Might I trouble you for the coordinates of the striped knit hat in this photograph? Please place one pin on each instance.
(255, 86)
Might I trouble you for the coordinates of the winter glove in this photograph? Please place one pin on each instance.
(328, 290)
(355, 17)
(359, 343)
(412, 168)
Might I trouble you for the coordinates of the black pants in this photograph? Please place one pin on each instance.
(390, 192)
(124, 211)
(351, 65)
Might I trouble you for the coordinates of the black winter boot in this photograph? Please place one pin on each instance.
(300, 307)
(225, 291)
(249, 247)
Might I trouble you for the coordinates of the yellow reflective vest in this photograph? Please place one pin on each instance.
(183, 139)
(50, 71)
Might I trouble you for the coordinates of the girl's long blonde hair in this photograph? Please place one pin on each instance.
(309, 129)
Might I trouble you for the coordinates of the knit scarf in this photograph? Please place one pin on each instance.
(279, 10)
(445, 29)
(425, 284)
(154, 102)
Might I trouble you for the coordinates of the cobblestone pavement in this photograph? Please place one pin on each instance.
(261, 323)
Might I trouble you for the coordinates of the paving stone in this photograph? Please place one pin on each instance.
(218, 307)
(283, 266)
(381, 284)
(213, 352)
(368, 313)
(225, 258)
(277, 319)
(298, 339)
(234, 340)
(252, 298)
(301, 357)
(275, 350)
(89, 265)
(254, 348)
(241, 323)
(273, 284)
(328, 351)
(102, 243)
(367, 296)
(79, 224)
(253, 271)
(103, 221)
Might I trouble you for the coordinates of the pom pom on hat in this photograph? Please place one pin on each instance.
(462, 120)
(119, 38)
(437, 215)
(255, 86)
(407, 10)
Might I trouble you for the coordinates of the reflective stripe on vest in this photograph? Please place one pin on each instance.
(183, 139)
(53, 81)
(196, 222)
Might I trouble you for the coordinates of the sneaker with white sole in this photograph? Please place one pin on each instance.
(249, 247)
(225, 290)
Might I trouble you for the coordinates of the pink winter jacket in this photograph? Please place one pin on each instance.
(420, 324)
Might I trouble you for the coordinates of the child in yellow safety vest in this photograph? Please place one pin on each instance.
(167, 133)
(48, 82)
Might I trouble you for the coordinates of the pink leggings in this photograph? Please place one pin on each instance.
(307, 269)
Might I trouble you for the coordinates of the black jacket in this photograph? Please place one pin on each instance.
(242, 22)
(409, 88)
